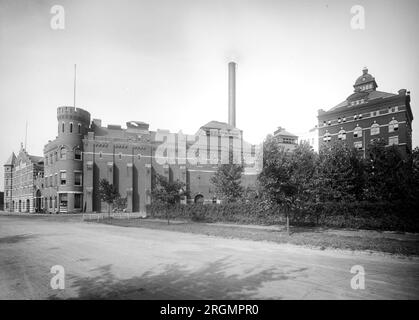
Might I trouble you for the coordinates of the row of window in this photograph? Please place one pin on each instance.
(359, 116)
(71, 128)
(393, 126)
(366, 87)
(52, 203)
(62, 154)
(52, 180)
(119, 156)
(391, 141)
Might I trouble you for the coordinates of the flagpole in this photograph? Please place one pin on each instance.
(75, 71)
(26, 133)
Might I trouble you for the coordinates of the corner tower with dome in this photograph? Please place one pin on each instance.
(368, 114)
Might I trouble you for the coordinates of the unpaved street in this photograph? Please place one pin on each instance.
(103, 261)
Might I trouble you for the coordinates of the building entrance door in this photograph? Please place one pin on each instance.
(38, 201)
(63, 202)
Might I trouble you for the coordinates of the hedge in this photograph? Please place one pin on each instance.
(395, 216)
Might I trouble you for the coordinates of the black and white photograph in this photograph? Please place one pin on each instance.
(221, 152)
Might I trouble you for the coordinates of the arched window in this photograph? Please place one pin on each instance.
(342, 135)
(357, 132)
(393, 125)
(63, 153)
(327, 136)
(71, 127)
(62, 127)
(120, 156)
(79, 128)
(77, 154)
(375, 129)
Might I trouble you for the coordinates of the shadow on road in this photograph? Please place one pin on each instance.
(177, 282)
(17, 238)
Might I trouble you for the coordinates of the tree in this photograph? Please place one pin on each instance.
(390, 175)
(287, 177)
(168, 192)
(108, 193)
(340, 173)
(227, 182)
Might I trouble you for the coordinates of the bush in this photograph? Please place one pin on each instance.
(395, 216)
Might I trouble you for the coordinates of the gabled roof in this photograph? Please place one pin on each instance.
(218, 125)
(11, 160)
(283, 132)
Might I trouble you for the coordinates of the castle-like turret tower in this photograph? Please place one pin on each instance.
(64, 162)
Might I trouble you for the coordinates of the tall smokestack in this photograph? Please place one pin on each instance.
(232, 66)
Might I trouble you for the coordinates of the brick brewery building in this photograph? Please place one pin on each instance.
(369, 114)
(66, 178)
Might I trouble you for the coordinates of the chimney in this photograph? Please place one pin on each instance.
(232, 66)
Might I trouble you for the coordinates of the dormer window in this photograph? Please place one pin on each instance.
(339, 120)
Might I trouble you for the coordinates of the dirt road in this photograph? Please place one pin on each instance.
(102, 261)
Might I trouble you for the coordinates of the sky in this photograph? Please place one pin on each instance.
(164, 62)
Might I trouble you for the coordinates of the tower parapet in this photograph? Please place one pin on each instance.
(72, 120)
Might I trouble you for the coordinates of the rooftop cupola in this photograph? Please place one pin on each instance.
(365, 82)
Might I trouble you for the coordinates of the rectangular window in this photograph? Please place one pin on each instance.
(358, 145)
(77, 201)
(77, 178)
(393, 127)
(56, 179)
(77, 154)
(63, 178)
(393, 140)
(375, 130)
(342, 136)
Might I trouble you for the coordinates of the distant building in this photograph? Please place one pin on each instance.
(21, 174)
(286, 139)
(66, 179)
(311, 137)
(369, 114)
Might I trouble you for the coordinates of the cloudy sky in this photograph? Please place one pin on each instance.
(165, 62)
